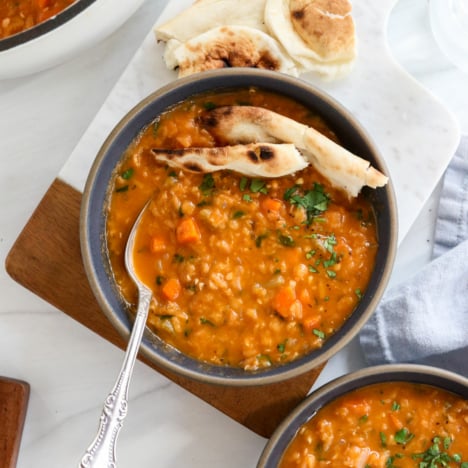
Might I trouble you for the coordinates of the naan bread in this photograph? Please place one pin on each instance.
(229, 46)
(246, 124)
(318, 34)
(253, 160)
(204, 15)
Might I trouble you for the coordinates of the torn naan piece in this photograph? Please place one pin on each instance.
(204, 15)
(247, 124)
(253, 160)
(319, 34)
(229, 46)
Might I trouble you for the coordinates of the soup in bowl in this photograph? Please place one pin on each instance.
(260, 267)
(383, 416)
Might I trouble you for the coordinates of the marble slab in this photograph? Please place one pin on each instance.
(416, 134)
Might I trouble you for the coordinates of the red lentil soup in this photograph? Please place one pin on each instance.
(245, 272)
(18, 15)
(391, 425)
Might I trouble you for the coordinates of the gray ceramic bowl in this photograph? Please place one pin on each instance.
(94, 203)
(286, 431)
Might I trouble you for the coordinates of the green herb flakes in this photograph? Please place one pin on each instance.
(286, 240)
(258, 186)
(127, 174)
(238, 214)
(403, 436)
(259, 240)
(395, 405)
(383, 438)
(243, 183)
(319, 333)
(205, 321)
(208, 185)
(314, 201)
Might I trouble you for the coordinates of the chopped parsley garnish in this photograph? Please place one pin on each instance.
(286, 240)
(258, 186)
(310, 254)
(359, 296)
(312, 269)
(314, 201)
(319, 333)
(159, 280)
(209, 105)
(238, 214)
(395, 406)
(329, 243)
(281, 346)
(259, 240)
(435, 457)
(331, 274)
(333, 260)
(207, 186)
(243, 183)
(178, 258)
(165, 316)
(205, 321)
(403, 436)
(383, 439)
(246, 197)
(127, 174)
(363, 418)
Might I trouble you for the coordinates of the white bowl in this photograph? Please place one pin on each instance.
(56, 40)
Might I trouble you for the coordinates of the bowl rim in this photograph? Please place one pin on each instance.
(46, 26)
(304, 411)
(255, 378)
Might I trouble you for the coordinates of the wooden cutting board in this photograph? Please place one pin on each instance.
(48, 262)
(14, 396)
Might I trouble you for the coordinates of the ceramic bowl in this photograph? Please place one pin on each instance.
(93, 217)
(73, 30)
(286, 431)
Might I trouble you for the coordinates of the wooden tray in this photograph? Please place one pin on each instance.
(48, 262)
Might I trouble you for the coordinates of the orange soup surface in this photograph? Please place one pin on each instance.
(245, 272)
(388, 425)
(18, 15)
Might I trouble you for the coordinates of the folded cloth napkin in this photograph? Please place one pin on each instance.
(425, 320)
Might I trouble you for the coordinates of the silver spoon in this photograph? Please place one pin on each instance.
(101, 452)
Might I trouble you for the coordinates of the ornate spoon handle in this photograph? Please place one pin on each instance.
(101, 453)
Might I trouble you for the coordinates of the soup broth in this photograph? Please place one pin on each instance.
(245, 272)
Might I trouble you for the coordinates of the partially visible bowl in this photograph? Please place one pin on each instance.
(57, 39)
(93, 220)
(284, 434)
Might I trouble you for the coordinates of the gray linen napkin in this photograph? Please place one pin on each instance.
(425, 320)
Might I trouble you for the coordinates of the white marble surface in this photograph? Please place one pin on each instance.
(70, 369)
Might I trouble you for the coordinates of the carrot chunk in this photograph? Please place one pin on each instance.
(187, 231)
(283, 301)
(171, 289)
(310, 323)
(271, 204)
